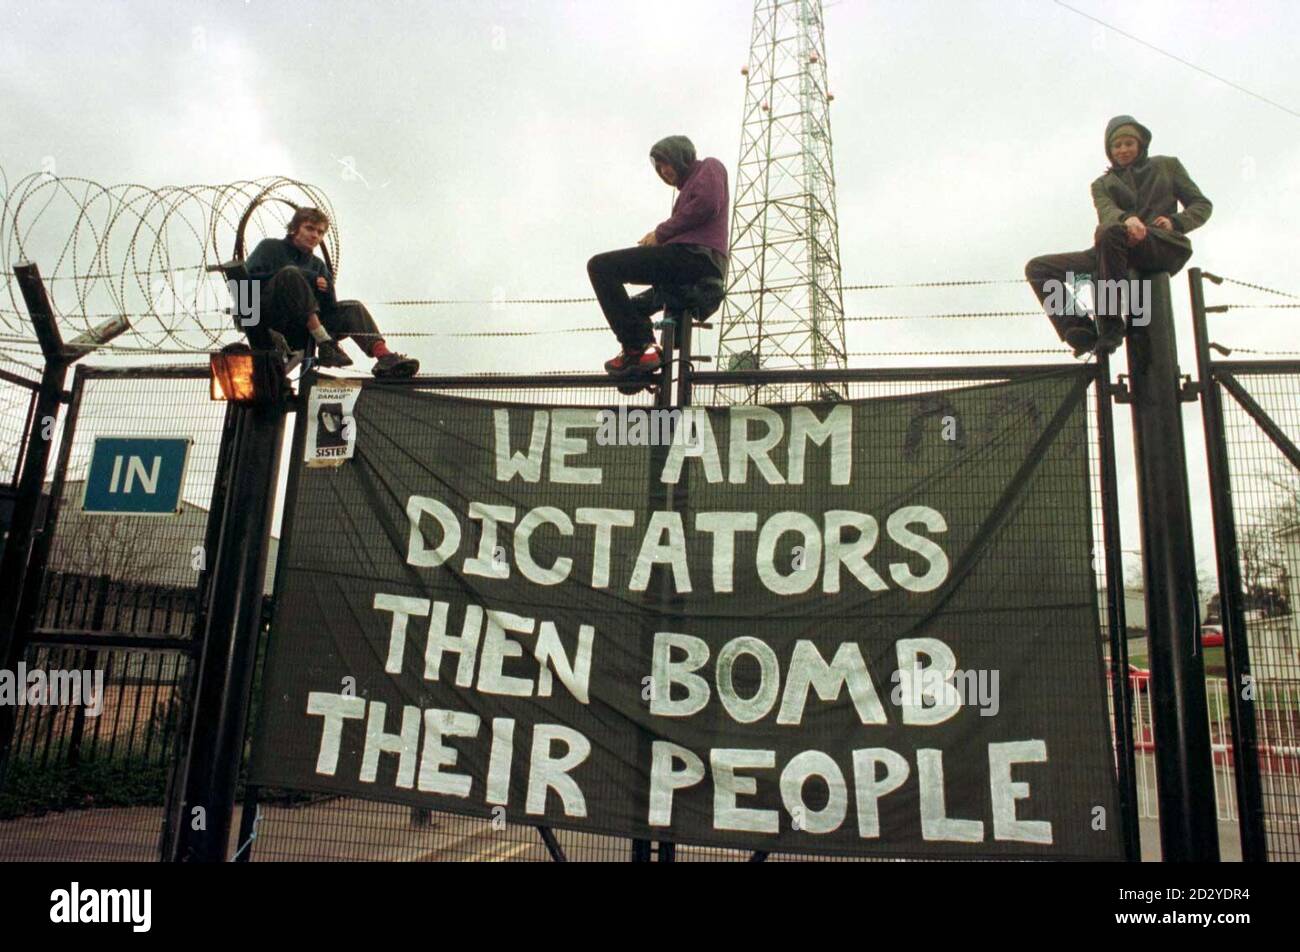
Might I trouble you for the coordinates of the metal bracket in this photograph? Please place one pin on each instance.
(1119, 390)
(1190, 391)
(95, 337)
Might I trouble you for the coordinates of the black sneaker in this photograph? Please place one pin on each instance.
(1081, 339)
(329, 354)
(1112, 335)
(396, 366)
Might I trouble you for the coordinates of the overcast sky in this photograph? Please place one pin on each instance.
(503, 143)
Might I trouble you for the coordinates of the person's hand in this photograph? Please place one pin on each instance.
(1164, 222)
(649, 241)
(1137, 231)
(322, 284)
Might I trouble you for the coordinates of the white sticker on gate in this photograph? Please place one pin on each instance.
(331, 427)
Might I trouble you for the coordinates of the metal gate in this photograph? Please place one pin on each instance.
(19, 385)
(117, 599)
(1252, 427)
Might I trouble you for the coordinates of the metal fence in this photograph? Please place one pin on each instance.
(118, 598)
(18, 386)
(125, 597)
(1258, 416)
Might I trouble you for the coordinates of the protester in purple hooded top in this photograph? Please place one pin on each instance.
(689, 246)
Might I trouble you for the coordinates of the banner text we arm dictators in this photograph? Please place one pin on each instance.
(838, 541)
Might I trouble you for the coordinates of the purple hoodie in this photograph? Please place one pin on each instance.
(700, 212)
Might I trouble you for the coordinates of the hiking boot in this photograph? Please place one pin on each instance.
(1082, 339)
(631, 362)
(329, 354)
(396, 365)
(1111, 337)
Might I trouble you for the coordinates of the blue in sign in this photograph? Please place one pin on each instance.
(136, 476)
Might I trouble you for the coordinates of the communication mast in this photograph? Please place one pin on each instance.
(784, 306)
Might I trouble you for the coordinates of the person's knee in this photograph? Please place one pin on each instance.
(288, 280)
(1036, 270)
(1115, 234)
(597, 264)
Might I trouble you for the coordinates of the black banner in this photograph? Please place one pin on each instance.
(867, 627)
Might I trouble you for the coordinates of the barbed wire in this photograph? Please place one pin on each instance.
(1264, 353)
(591, 329)
(7, 358)
(1260, 287)
(140, 253)
(956, 353)
(146, 255)
(949, 315)
(932, 284)
(1255, 307)
(447, 302)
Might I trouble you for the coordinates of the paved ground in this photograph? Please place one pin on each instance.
(342, 830)
(1229, 841)
(125, 833)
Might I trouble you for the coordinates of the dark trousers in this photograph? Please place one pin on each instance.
(288, 300)
(662, 264)
(1109, 259)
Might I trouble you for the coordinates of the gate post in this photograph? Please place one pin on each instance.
(233, 620)
(1184, 766)
(1245, 750)
(31, 484)
(1117, 622)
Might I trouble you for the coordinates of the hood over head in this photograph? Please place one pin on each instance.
(1144, 136)
(677, 151)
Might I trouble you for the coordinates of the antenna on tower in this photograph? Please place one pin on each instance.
(785, 307)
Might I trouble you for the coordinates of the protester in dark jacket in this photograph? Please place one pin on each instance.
(1140, 227)
(689, 246)
(296, 298)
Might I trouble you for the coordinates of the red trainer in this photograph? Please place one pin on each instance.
(631, 362)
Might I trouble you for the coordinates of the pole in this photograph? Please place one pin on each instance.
(1121, 683)
(1184, 768)
(234, 618)
(31, 484)
(1245, 749)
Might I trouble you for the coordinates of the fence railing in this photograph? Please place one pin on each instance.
(1278, 713)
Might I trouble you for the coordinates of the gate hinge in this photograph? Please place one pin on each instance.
(1119, 390)
(1190, 391)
